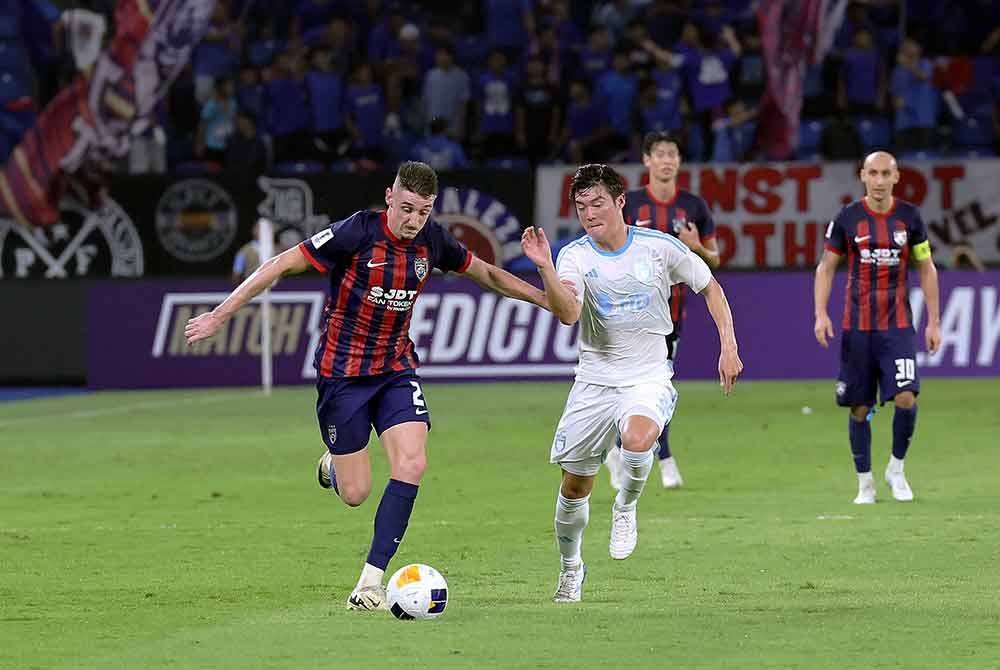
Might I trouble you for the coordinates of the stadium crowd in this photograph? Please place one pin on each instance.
(316, 85)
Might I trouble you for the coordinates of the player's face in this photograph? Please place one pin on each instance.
(407, 211)
(879, 175)
(600, 214)
(663, 161)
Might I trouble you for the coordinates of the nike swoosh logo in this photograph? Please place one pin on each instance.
(861, 239)
(902, 384)
(644, 222)
(375, 265)
(421, 411)
(396, 540)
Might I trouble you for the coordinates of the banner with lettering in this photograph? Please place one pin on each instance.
(773, 215)
(463, 333)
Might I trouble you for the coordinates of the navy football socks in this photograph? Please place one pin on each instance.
(664, 442)
(861, 443)
(903, 424)
(391, 519)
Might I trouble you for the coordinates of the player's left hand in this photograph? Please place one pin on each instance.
(730, 367)
(202, 327)
(689, 236)
(933, 337)
(536, 247)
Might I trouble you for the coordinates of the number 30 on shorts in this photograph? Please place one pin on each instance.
(419, 404)
(905, 369)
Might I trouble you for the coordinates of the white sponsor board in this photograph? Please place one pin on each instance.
(774, 214)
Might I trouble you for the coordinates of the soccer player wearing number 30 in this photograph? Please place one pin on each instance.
(617, 285)
(880, 235)
(377, 263)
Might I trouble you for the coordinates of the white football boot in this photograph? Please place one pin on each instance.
(570, 588)
(624, 531)
(368, 598)
(866, 490)
(669, 474)
(896, 480)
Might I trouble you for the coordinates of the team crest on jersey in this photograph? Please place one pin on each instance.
(481, 222)
(420, 267)
(331, 432)
(643, 271)
(680, 221)
(899, 237)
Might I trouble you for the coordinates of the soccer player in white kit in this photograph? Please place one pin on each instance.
(615, 281)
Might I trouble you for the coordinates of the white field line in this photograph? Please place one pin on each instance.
(123, 409)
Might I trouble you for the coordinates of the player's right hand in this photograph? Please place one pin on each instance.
(823, 330)
(536, 247)
(202, 327)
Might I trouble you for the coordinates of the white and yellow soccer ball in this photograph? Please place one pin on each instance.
(417, 591)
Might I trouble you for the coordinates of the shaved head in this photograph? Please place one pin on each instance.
(878, 159)
(879, 174)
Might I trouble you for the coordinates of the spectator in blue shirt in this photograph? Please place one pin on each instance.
(616, 91)
(250, 93)
(438, 150)
(215, 56)
(446, 92)
(288, 111)
(914, 98)
(365, 114)
(510, 24)
(595, 59)
(586, 131)
(862, 78)
(218, 121)
(326, 102)
(495, 95)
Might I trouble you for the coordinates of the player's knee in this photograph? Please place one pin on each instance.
(638, 440)
(905, 400)
(411, 467)
(575, 489)
(859, 412)
(354, 493)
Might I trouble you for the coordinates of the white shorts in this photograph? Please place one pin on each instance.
(592, 421)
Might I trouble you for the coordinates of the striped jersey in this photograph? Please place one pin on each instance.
(375, 277)
(643, 209)
(878, 249)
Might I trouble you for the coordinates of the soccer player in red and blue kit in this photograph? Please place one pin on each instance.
(377, 262)
(662, 206)
(880, 236)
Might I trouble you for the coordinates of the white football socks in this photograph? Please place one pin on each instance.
(635, 471)
(571, 518)
(370, 576)
(895, 464)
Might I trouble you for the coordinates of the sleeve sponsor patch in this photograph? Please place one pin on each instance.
(321, 238)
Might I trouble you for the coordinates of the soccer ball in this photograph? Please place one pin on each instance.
(417, 591)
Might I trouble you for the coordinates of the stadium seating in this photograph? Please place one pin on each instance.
(974, 132)
(874, 133)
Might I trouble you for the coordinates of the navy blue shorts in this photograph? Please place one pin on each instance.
(886, 359)
(348, 407)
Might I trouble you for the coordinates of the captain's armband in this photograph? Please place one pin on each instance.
(922, 251)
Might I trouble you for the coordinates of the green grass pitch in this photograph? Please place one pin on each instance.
(186, 530)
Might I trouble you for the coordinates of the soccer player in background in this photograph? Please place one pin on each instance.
(662, 206)
(617, 285)
(377, 262)
(881, 235)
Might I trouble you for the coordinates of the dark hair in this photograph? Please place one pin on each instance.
(417, 177)
(593, 174)
(654, 137)
(438, 125)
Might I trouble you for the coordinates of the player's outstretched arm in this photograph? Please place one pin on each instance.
(932, 297)
(562, 299)
(730, 365)
(500, 281)
(205, 325)
(823, 327)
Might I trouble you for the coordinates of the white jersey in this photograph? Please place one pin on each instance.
(625, 316)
